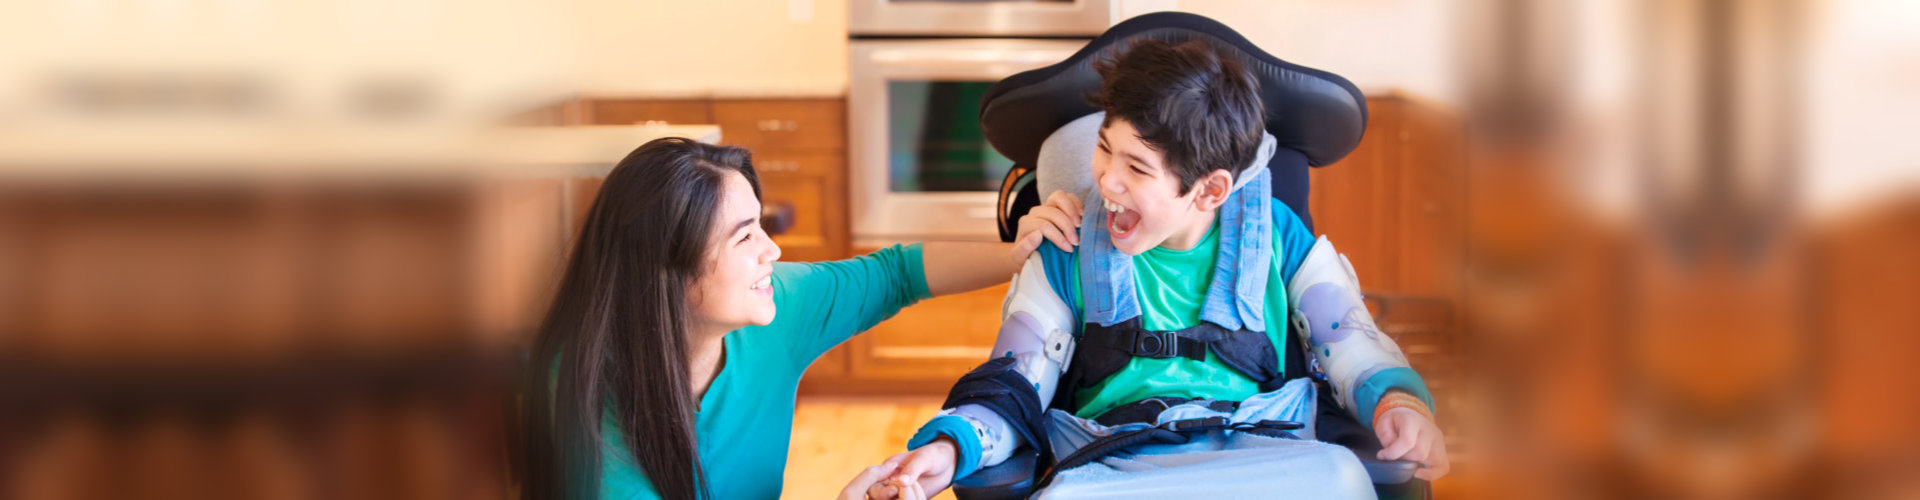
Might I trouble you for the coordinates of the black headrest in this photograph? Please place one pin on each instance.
(1311, 111)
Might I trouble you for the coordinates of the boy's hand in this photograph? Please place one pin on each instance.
(1408, 435)
(1057, 219)
(919, 474)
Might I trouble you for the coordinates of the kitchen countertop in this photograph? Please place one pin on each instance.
(226, 151)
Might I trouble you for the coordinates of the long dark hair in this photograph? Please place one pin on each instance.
(614, 344)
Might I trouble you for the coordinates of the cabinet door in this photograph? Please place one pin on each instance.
(1355, 202)
(936, 340)
(811, 187)
(805, 198)
(1433, 180)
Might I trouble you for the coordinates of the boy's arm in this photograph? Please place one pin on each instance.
(1362, 364)
(996, 408)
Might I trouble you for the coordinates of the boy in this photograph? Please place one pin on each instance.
(1175, 307)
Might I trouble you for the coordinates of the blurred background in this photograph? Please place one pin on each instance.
(294, 249)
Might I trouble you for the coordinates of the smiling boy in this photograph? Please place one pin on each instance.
(1177, 303)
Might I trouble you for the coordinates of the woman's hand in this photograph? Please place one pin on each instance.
(1408, 435)
(920, 473)
(1057, 220)
(872, 477)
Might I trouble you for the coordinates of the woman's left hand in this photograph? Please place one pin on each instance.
(1408, 435)
(1057, 219)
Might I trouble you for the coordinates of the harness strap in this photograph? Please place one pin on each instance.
(1173, 432)
(1104, 350)
(1148, 410)
(1190, 343)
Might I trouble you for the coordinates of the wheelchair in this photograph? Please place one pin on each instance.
(1316, 117)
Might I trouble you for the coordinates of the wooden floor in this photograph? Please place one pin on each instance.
(836, 437)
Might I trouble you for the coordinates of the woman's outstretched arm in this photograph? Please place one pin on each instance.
(964, 266)
(959, 267)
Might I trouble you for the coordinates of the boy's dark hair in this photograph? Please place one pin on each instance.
(1192, 102)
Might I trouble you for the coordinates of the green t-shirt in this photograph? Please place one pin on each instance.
(1172, 287)
(746, 417)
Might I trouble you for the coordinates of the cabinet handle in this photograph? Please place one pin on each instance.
(780, 166)
(776, 218)
(778, 125)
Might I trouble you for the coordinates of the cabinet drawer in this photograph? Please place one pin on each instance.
(795, 125)
(779, 163)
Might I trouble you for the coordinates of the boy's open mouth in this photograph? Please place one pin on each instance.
(1121, 221)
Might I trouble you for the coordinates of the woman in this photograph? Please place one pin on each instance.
(675, 341)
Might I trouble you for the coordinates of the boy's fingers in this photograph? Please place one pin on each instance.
(1419, 451)
(1388, 435)
(1400, 445)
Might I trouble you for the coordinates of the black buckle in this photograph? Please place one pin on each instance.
(1154, 344)
(1195, 423)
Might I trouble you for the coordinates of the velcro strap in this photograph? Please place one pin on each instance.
(996, 386)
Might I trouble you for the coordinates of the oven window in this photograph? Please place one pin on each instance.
(934, 141)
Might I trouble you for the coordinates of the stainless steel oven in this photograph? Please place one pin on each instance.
(921, 168)
(1018, 18)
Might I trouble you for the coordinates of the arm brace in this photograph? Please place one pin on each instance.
(1345, 348)
(1001, 402)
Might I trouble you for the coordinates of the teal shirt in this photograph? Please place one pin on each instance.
(746, 417)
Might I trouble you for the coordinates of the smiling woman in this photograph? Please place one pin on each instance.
(668, 362)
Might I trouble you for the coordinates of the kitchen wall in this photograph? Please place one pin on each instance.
(759, 47)
(726, 48)
(1405, 45)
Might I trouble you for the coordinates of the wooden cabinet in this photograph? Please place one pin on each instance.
(922, 350)
(799, 150)
(1395, 206)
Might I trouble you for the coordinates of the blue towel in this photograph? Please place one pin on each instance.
(1235, 297)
